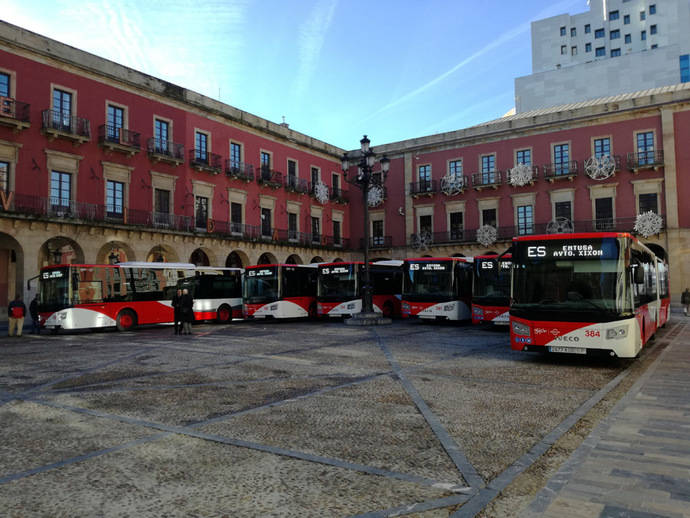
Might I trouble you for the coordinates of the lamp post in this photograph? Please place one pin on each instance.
(364, 179)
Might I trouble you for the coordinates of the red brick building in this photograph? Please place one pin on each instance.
(101, 162)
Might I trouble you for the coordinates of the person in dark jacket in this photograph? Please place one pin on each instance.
(187, 312)
(176, 301)
(35, 318)
(16, 312)
(685, 300)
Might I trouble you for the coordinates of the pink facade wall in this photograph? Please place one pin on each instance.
(33, 86)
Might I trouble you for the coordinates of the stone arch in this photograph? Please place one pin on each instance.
(317, 259)
(162, 254)
(458, 255)
(115, 252)
(237, 259)
(490, 252)
(658, 250)
(379, 259)
(267, 258)
(202, 257)
(293, 259)
(11, 269)
(60, 250)
(338, 260)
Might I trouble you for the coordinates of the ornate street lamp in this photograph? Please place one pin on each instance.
(365, 179)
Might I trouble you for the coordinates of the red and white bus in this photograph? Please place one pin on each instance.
(339, 288)
(124, 295)
(437, 288)
(583, 293)
(491, 289)
(279, 291)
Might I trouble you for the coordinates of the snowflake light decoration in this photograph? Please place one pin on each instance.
(422, 241)
(451, 184)
(600, 168)
(321, 192)
(559, 226)
(487, 235)
(648, 224)
(375, 196)
(520, 175)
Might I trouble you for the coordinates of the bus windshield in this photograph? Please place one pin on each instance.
(54, 289)
(577, 276)
(261, 285)
(492, 282)
(428, 281)
(337, 282)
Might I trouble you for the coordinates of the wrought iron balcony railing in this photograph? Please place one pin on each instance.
(165, 150)
(14, 110)
(560, 170)
(205, 161)
(645, 160)
(63, 124)
(114, 137)
(294, 184)
(491, 179)
(239, 170)
(423, 187)
(339, 196)
(378, 242)
(269, 177)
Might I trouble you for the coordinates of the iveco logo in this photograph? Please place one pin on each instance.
(568, 338)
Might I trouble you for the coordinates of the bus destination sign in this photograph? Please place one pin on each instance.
(606, 249)
(260, 273)
(429, 267)
(335, 270)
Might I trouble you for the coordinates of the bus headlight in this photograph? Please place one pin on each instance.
(617, 332)
(405, 306)
(478, 311)
(521, 329)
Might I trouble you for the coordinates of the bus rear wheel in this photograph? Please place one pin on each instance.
(224, 314)
(126, 320)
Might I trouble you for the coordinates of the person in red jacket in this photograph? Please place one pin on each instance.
(16, 311)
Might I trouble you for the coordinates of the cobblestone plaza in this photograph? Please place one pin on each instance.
(309, 419)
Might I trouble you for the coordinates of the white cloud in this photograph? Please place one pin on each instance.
(312, 34)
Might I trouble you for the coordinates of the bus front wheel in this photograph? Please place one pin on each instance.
(388, 310)
(126, 320)
(224, 314)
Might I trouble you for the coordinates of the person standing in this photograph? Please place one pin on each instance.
(16, 312)
(176, 301)
(35, 318)
(187, 309)
(685, 300)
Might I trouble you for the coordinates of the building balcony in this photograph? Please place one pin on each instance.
(378, 242)
(239, 170)
(516, 171)
(117, 139)
(423, 188)
(339, 196)
(298, 185)
(645, 160)
(14, 114)
(269, 178)
(491, 180)
(205, 161)
(438, 238)
(561, 171)
(62, 125)
(165, 151)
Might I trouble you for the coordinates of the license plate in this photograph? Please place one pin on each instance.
(571, 350)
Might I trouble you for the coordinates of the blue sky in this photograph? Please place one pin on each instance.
(335, 69)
